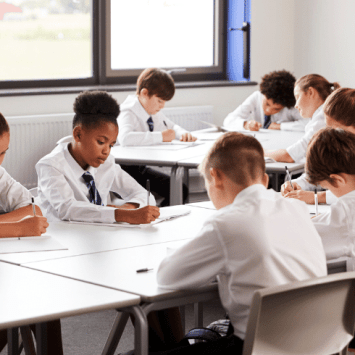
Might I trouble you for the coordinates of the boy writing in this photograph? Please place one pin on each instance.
(256, 238)
(330, 163)
(142, 123)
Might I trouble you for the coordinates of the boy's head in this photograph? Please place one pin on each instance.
(330, 160)
(4, 137)
(277, 87)
(339, 109)
(95, 127)
(155, 87)
(237, 159)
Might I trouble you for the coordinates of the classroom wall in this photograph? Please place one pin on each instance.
(272, 48)
(325, 39)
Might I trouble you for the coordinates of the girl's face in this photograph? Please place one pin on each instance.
(307, 102)
(93, 146)
(4, 145)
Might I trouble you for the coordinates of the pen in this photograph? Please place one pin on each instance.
(165, 124)
(148, 191)
(33, 206)
(288, 176)
(316, 201)
(143, 270)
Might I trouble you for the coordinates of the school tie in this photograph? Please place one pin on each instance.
(267, 121)
(150, 124)
(94, 194)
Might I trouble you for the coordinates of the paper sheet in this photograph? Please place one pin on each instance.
(321, 209)
(29, 244)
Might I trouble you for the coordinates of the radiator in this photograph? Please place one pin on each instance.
(32, 137)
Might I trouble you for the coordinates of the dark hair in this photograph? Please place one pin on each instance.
(92, 108)
(4, 126)
(239, 156)
(278, 86)
(158, 82)
(330, 151)
(317, 82)
(340, 106)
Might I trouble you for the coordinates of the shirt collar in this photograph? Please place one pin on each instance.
(320, 108)
(256, 188)
(141, 112)
(76, 168)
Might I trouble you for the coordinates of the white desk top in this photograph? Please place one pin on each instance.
(117, 269)
(86, 239)
(30, 296)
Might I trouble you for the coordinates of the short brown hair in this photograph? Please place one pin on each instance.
(158, 82)
(240, 157)
(330, 151)
(340, 106)
(4, 126)
(317, 82)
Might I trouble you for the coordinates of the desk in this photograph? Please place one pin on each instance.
(123, 264)
(179, 160)
(30, 296)
(87, 239)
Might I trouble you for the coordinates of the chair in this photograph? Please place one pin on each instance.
(315, 316)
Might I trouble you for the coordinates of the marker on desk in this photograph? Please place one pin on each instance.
(148, 191)
(143, 270)
(33, 206)
(316, 200)
(288, 176)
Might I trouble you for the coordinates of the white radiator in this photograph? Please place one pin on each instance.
(32, 137)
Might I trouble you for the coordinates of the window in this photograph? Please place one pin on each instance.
(48, 43)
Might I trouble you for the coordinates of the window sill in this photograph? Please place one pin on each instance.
(117, 88)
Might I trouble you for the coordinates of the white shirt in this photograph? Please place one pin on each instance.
(298, 150)
(133, 126)
(337, 227)
(330, 198)
(252, 109)
(260, 240)
(63, 194)
(12, 194)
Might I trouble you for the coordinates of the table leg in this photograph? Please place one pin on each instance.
(176, 179)
(27, 340)
(41, 337)
(198, 312)
(183, 318)
(187, 181)
(141, 331)
(12, 341)
(115, 334)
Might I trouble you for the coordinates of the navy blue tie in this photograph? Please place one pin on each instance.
(94, 194)
(267, 121)
(150, 124)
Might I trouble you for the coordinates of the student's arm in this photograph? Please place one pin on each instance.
(180, 133)
(195, 264)
(20, 213)
(280, 155)
(31, 226)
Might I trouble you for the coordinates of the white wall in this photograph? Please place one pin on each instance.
(272, 48)
(325, 39)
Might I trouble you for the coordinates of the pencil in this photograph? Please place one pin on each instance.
(316, 200)
(148, 191)
(33, 206)
(288, 176)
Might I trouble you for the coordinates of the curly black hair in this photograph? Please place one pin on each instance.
(4, 126)
(92, 108)
(278, 86)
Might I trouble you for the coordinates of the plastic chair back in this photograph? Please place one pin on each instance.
(315, 316)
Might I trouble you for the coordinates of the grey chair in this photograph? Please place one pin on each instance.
(315, 316)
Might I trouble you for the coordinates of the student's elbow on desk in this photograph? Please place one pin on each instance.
(280, 155)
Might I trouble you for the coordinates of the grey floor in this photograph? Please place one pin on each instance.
(86, 334)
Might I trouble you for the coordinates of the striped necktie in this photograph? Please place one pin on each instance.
(267, 121)
(150, 124)
(94, 194)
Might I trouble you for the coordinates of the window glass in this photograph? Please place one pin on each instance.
(45, 39)
(162, 33)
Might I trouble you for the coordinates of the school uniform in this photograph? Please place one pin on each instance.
(134, 130)
(260, 240)
(12, 194)
(297, 151)
(252, 109)
(330, 198)
(63, 193)
(337, 227)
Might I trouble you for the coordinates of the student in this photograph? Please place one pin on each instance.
(256, 239)
(272, 107)
(17, 220)
(339, 112)
(330, 163)
(310, 91)
(75, 179)
(142, 123)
